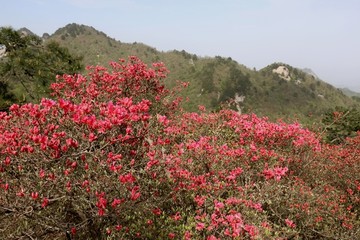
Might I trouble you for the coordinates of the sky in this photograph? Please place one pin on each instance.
(323, 35)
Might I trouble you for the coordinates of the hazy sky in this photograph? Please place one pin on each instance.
(323, 35)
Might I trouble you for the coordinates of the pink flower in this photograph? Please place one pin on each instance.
(279, 172)
(200, 226)
(218, 205)
(234, 173)
(290, 223)
(276, 173)
(212, 237)
(163, 119)
(252, 230)
(14, 108)
(187, 235)
(199, 200)
(268, 173)
(202, 108)
(257, 206)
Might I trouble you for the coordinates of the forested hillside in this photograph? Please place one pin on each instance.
(276, 91)
(216, 80)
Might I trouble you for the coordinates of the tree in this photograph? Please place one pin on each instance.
(30, 65)
(237, 83)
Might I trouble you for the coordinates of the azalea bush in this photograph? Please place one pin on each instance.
(112, 156)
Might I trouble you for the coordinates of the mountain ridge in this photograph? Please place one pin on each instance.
(214, 80)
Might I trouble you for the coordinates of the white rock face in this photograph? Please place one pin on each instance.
(283, 72)
(238, 99)
(2, 50)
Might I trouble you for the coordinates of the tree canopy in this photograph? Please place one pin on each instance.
(29, 65)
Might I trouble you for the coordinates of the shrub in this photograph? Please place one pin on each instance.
(112, 157)
(341, 123)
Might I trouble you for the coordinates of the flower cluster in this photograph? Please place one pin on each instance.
(112, 155)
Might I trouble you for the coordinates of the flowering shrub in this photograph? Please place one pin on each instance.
(112, 156)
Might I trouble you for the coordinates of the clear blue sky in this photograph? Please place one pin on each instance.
(323, 35)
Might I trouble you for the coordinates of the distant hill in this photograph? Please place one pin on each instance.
(26, 32)
(310, 72)
(349, 92)
(354, 95)
(278, 90)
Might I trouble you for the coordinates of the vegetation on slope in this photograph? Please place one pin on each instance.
(112, 156)
(29, 66)
(215, 80)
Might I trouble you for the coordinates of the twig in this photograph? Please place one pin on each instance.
(29, 235)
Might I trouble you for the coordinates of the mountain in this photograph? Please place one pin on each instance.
(310, 72)
(349, 92)
(26, 32)
(354, 95)
(278, 90)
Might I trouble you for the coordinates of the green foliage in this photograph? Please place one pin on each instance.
(30, 65)
(212, 78)
(207, 78)
(341, 123)
(356, 98)
(237, 83)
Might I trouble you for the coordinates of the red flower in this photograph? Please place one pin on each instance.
(134, 193)
(176, 217)
(21, 193)
(41, 173)
(34, 195)
(7, 161)
(157, 211)
(45, 202)
(290, 223)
